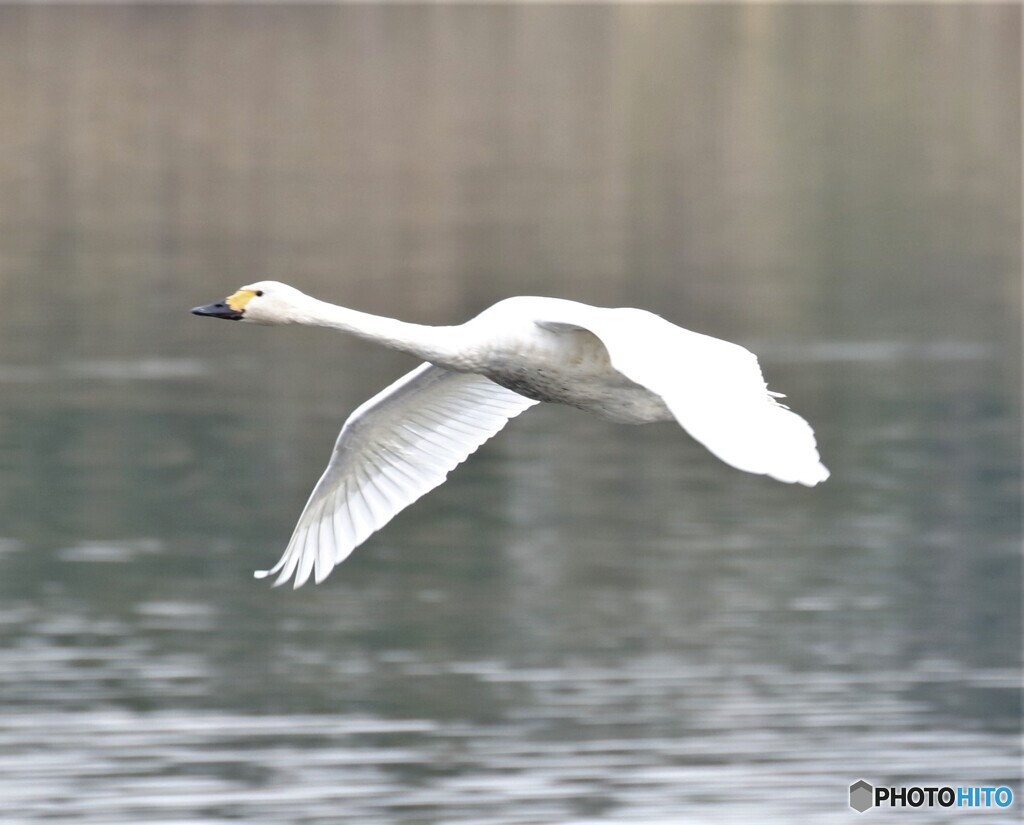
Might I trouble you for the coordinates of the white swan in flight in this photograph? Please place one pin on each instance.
(627, 365)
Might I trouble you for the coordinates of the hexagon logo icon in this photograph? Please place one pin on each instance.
(862, 796)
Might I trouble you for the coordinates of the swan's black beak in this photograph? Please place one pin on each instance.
(219, 310)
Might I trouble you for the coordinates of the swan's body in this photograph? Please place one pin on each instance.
(627, 365)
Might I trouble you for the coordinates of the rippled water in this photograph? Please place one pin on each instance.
(588, 623)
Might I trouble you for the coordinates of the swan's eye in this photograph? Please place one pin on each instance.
(259, 292)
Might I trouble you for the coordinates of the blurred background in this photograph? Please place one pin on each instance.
(588, 623)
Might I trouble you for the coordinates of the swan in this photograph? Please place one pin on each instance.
(627, 365)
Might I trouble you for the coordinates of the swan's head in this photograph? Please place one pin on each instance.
(265, 302)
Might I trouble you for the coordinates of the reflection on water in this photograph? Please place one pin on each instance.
(587, 623)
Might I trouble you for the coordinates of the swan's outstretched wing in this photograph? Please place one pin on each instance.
(395, 448)
(714, 389)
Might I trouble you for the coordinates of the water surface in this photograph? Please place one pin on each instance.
(588, 623)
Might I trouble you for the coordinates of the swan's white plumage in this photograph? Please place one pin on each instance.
(395, 448)
(714, 389)
(625, 364)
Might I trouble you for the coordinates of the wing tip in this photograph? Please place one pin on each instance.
(260, 575)
(815, 475)
(318, 576)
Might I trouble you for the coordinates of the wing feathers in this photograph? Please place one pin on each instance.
(713, 388)
(404, 441)
(396, 447)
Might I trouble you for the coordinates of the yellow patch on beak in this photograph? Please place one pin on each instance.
(238, 301)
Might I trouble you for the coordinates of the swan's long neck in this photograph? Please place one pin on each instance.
(434, 344)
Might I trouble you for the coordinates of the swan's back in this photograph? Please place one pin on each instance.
(633, 366)
(529, 346)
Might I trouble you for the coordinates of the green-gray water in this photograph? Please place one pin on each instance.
(588, 623)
